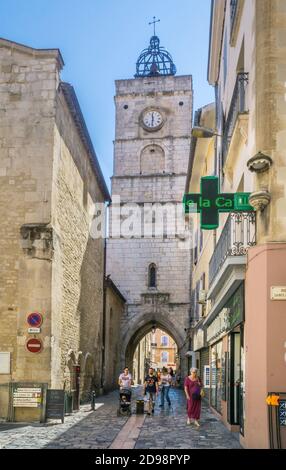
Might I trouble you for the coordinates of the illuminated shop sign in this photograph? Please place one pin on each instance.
(211, 202)
(219, 326)
(229, 317)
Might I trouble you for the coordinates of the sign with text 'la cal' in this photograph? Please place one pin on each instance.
(211, 202)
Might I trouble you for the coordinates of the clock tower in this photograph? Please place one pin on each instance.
(151, 152)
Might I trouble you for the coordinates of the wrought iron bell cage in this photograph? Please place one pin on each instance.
(155, 61)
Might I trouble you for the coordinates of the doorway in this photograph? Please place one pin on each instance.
(235, 380)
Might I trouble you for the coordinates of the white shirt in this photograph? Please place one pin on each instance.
(125, 380)
(165, 380)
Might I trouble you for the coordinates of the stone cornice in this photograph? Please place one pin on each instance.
(151, 139)
(123, 96)
(45, 53)
(215, 40)
(109, 283)
(77, 116)
(151, 175)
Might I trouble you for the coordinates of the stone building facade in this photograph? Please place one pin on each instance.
(150, 167)
(164, 353)
(50, 179)
(242, 263)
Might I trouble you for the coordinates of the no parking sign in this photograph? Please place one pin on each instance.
(35, 319)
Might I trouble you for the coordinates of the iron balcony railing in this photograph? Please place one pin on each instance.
(238, 235)
(238, 106)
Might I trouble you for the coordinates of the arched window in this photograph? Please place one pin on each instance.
(152, 160)
(152, 278)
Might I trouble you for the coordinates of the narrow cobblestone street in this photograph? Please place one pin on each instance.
(102, 429)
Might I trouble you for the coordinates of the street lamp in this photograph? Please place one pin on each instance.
(259, 163)
(203, 132)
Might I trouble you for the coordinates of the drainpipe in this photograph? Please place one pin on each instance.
(102, 380)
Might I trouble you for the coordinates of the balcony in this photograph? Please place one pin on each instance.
(238, 107)
(238, 235)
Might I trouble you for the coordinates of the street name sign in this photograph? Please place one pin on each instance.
(278, 293)
(28, 397)
(210, 202)
(34, 330)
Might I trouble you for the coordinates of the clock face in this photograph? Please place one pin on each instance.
(152, 119)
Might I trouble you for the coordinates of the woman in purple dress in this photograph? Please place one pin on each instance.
(193, 387)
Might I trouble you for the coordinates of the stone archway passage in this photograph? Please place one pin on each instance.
(143, 328)
(158, 349)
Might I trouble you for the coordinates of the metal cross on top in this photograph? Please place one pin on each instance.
(211, 202)
(153, 23)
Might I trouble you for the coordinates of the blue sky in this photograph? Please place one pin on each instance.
(100, 41)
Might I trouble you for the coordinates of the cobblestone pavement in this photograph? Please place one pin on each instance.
(87, 429)
(168, 429)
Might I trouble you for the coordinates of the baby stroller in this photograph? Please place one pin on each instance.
(124, 402)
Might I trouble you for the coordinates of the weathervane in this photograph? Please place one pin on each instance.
(153, 23)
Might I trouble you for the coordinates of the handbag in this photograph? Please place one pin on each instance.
(197, 394)
(202, 393)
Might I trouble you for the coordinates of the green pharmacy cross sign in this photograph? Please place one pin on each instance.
(211, 202)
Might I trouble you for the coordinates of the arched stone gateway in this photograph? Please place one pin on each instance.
(139, 328)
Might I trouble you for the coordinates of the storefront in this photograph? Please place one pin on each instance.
(225, 337)
(202, 358)
(216, 377)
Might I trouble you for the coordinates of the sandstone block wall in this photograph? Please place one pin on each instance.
(49, 262)
(27, 89)
(114, 312)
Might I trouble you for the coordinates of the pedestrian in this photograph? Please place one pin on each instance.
(158, 375)
(178, 379)
(165, 383)
(173, 376)
(151, 390)
(125, 380)
(193, 389)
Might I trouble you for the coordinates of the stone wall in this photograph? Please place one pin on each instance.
(28, 84)
(270, 114)
(77, 285)
(49, 262)
(113, 313)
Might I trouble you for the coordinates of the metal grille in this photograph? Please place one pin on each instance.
(154, 61)
(238, 235)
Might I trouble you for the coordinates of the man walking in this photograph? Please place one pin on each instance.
(151, 389)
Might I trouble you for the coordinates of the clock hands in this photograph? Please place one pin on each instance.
(152, 120)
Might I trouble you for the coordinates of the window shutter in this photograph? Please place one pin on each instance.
(207, 376)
